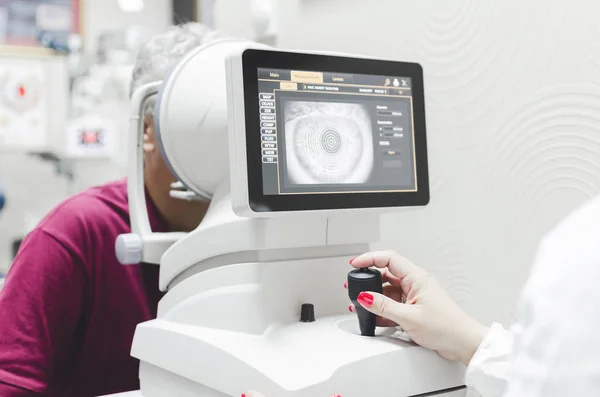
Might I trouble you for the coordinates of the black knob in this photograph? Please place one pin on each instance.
(360, 280)
(307, 313)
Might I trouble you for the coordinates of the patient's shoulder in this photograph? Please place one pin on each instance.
(93, 215)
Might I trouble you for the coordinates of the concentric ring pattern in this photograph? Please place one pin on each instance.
(535, 169)
(328, 142)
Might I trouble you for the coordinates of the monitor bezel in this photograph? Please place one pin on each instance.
(253, 59)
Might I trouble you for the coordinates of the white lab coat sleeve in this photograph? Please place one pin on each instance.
(555, 349)
(487, 374)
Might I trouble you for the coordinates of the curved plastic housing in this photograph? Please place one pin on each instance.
(191, 110)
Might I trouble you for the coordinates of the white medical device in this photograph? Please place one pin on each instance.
(299, 154)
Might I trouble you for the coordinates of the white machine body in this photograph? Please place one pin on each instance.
(230, 320)
(194, 95)
(231, 328)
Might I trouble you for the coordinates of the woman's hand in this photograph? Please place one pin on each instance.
(415, 301)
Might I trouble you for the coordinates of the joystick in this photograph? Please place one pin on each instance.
(360, 280)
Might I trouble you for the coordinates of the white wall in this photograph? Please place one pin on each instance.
(100, 16)
(513, 108)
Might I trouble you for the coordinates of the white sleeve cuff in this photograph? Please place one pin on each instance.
(487, 371)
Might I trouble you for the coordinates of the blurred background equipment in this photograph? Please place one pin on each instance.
(65, 68)
(131, 5)
(264, 21)
(34, 97)
(100, 99)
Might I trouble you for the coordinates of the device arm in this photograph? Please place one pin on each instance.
(141, 245)
(140, 224)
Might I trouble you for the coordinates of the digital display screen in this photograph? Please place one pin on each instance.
(326, 132)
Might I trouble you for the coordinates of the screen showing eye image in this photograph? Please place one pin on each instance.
(335, 133)
(327, 143)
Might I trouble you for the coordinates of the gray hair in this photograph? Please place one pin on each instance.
(164, 51)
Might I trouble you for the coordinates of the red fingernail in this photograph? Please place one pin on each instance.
(365, 299)
(350, 308)
(346, 284)
(243, 394)
(352, 260)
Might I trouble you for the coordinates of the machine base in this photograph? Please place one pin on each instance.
(301, 360)
(160, 383)
(232, 328)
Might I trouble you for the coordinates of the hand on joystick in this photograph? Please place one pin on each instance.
(360, 282)
(415, 301)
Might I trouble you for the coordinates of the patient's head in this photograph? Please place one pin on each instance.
(155, 59)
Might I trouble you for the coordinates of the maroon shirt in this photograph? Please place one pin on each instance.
(69, 309)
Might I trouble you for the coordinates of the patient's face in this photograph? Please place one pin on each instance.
(180, 215)
(157, 174)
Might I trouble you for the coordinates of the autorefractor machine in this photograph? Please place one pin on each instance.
(299, 154)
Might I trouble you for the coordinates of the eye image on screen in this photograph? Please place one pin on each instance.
(338, 133)
(328, 143)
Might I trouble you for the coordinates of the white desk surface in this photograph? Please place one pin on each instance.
(136, 393)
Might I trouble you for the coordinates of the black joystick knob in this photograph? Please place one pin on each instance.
(307, 313)
(360, 280)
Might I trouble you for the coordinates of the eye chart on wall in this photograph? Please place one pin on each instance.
(23, 106)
